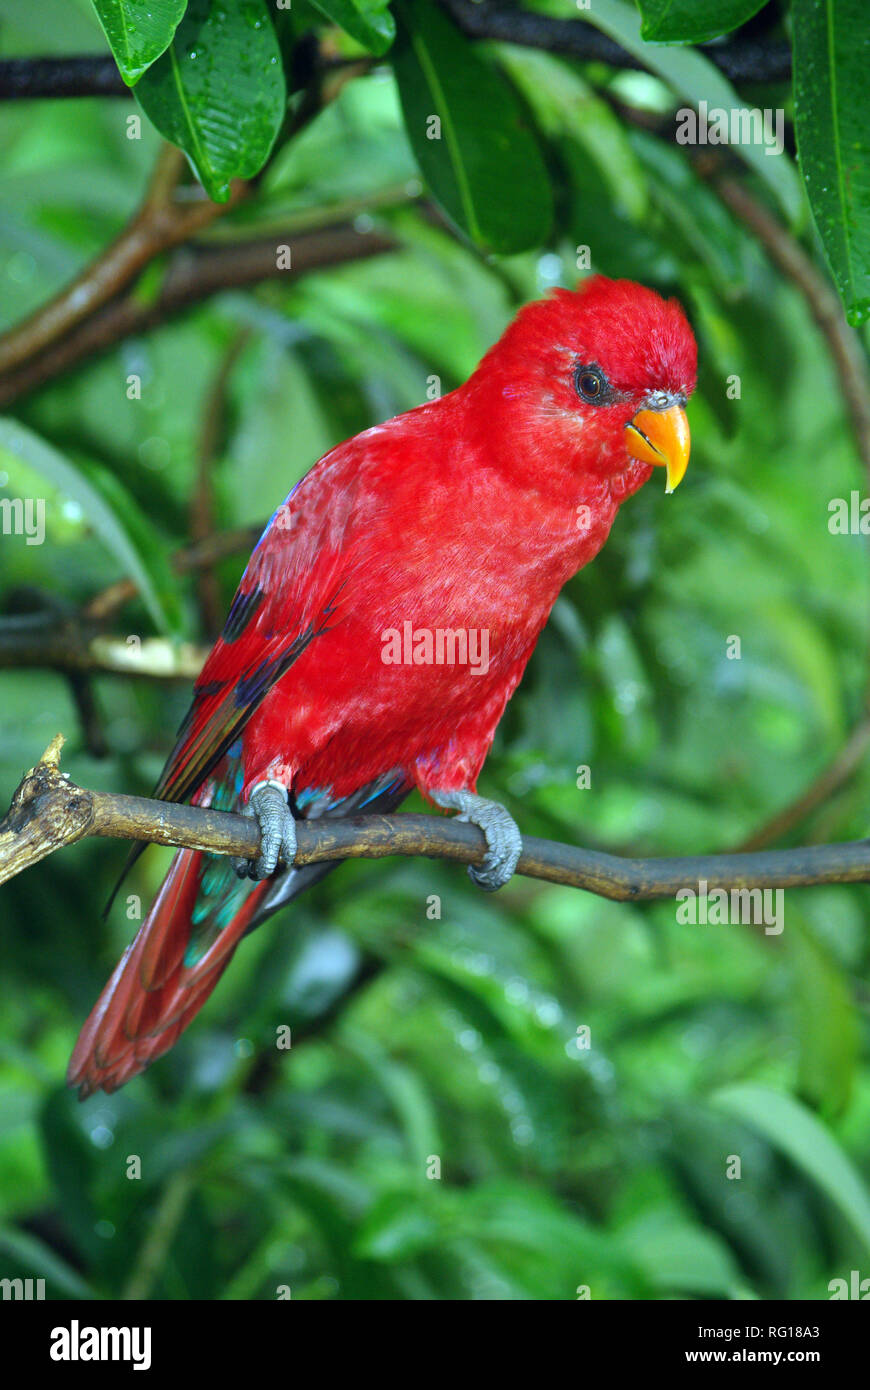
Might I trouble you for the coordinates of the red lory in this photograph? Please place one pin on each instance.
(329, 693)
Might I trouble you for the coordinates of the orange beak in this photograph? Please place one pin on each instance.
(661, 437)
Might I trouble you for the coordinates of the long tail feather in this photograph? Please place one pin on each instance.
(153, 995)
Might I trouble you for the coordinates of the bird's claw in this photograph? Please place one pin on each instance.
(269, 806)
(503, 839)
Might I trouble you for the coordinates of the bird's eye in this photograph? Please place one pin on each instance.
(591, 385)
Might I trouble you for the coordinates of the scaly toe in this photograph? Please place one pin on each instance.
(268, 803)
(503, 839)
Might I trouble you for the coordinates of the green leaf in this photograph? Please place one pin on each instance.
(832, 119)
(137, 33)
(692, 76)
(367, 21)
(829, 1035)
(568, 109)
(693, 21)
(110, 510)
(677, 1256)
(792, 1129)
(218, 92)
(40, 1262)
(469, 134)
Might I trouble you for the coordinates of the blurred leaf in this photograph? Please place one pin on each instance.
(791, 1128)
(218, 92)
(692, 76)
(832, 120)
(367, 21)
(39, 1261)
(138, 33)
(481, 162)
(680, 1258)
(398, 1226)
(828, 1035)
(693, 207)
(569, 109)
(72, 1164)
(693, 21)
(110, 510)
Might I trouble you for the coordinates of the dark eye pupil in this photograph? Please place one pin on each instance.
(590, 385)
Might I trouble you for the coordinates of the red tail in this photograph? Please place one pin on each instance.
(152, 995)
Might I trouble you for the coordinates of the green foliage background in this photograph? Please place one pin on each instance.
(457, 1038)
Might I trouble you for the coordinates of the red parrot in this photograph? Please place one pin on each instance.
(384, 620)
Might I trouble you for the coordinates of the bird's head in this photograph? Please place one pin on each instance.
(600, 376)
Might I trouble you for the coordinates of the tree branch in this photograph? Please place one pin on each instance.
(162, 222)
(741, 60)
(87, 75)
(74, 643)
(193, 274)
(49, 811)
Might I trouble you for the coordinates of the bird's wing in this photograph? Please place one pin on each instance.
(288, 597)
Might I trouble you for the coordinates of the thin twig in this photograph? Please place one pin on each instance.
(161, 1233)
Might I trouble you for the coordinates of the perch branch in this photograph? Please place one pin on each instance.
(49, 811)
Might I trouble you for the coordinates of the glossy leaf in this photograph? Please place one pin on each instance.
(367, 21)
(138, 33)
(693, 21)
(831, 49)
(218, 92)
(829, 1034)
(469, 134)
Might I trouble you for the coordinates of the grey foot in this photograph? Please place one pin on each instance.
(268, 805)
(504, 842)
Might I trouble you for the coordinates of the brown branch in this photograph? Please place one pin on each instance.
(829, 780)
(49, 811)
(193, 275)
(74, 643)
(161, 223)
